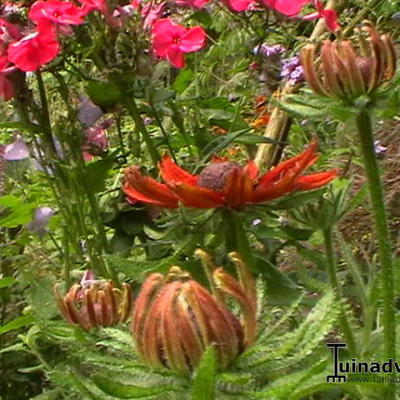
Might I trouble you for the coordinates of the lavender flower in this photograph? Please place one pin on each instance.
(88, 112)
(40, 220)
(292, 70)
(379, 149)
(269, 51)
(16, 151)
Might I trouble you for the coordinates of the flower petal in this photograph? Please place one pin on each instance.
(193, 39)
(197, 197)
(175, 57)
(148, 190)
(314, 181)
(298, 164)
(172, 173)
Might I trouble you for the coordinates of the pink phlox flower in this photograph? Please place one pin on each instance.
(191, 3)
(171, 41)
(93, 5)
(290, 8)
(35, 49)
(55, 11)
(9, 31)
(96, 141)
(293, 9)
(151, 13)
(7, 91)
(241, 5)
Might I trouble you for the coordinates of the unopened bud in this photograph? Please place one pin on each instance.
(175, 319)
(94, 303)
(348, 69)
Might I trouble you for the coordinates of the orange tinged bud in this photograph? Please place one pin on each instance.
(94, 303)
(175, 319)
(348, 69)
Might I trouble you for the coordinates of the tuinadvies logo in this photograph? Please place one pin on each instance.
(345, 369)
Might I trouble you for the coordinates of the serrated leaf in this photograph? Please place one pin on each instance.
(120, 391)
(297, 199)
(300, 110)
(203, 387)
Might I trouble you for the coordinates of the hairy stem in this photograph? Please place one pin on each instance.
(366, 139)
(332, 272)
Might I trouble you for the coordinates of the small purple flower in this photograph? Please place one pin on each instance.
(379, 149)
(292, 70)
(16, 151)
(88, 112)
(40, 220)
(269, 51)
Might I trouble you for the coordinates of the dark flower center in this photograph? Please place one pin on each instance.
(214, 176)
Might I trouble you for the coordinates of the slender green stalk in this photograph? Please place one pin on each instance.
(332, 272)
(45, 115)
(236, 238)
(366, 139)
(141, 127)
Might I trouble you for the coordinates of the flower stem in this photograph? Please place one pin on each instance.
(141, 127)
(365, 135)
(236, 238)
(332, 272)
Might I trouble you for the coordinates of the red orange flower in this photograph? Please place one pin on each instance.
(224, 183)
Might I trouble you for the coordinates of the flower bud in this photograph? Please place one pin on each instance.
(175, 319)
(348, 69)
(94, 303)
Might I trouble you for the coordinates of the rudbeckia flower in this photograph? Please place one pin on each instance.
(224, 183)
(172, 41)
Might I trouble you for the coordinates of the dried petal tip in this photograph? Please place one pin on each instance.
(175, 319)
(349, 69)
(94, 303)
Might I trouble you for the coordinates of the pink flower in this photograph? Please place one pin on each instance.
(240, 5)
(151, 13)
(34, 50)
(9, 31)
(7, 90)
(191, 3)
(96, 141)
(290, 8)
(171, 41)
(293, 8)
(58, 12)
(92, 5)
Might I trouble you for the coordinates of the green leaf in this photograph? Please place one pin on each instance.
(183, 80)
(138, 269)
(8, 281)
(203, 387)
(300, 110)
(19, 213)
(160, 95)
(254, 139)
(17, 323)
(104, 94)
(297, 199)
(97, 173)
(120, 391)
